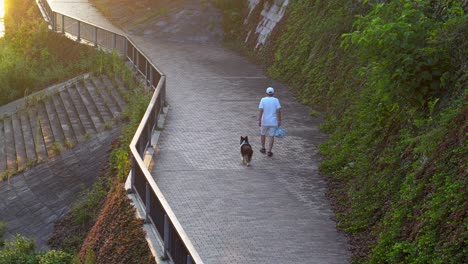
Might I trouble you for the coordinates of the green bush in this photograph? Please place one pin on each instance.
(20, 250)
(3, 227)
(55, 257)
(408, 48)
(397, 150)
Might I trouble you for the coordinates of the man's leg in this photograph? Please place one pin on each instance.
(263, 131)
(272, 140)
(262, 140)
(271, 134)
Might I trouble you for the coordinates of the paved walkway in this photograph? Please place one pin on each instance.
(82, 9)
(272, 212)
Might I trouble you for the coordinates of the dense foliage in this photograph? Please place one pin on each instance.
(392, 77)
(400, 148)
(33, 57)
(117, 236)
(22, 250)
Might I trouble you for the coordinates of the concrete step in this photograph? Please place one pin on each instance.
(21, 157)
(67, 129)
(46, 129)
(73, 116)
(99, 101)
(28, 137)
(121, 86)
(107, 97)
(54, 122)
(88, 102)
(10, 144)
(39, 143)
(85, 117)
(57, 118)
(3, 163)
(115, 91)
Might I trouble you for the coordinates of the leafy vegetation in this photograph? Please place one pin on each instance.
(33, 57)
(400, 147)
(117, 236)
(3, 226)
(391, 77)
(22, 250)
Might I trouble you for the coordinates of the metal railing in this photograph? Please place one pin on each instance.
(177, 246)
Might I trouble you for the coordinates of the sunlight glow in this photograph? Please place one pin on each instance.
(2, 15)
(2, 9)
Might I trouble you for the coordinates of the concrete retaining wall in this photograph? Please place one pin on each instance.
(271, 14)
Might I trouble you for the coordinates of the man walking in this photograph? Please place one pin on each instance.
(269, 119)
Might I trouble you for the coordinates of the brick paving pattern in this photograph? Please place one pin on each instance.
(272, 212)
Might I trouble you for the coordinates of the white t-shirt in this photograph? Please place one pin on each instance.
(269, 105)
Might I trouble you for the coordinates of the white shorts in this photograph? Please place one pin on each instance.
(268, 129)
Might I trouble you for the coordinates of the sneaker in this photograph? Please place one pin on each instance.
(270, 154)
(262, 150)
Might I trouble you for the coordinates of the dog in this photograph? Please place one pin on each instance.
(245, 150)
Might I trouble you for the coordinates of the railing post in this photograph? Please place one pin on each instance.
(163, 94)
(142, 149)
(54, 21)
(95, 37)
(63, 24)
(166, 237)
(151, 78)
(156, 115)
(79, 31)
(148, 203)
(133, 57)
(150, 132)
(132, 176)
(126, 48)
(114, 42)
(137, 60)
(161, 106)
(146, 72)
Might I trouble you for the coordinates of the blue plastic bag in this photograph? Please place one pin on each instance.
(280, 132)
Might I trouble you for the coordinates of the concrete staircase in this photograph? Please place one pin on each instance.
(42, 125)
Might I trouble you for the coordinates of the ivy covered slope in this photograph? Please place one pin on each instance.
(392, 79)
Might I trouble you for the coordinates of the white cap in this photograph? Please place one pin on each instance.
(270, 90)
